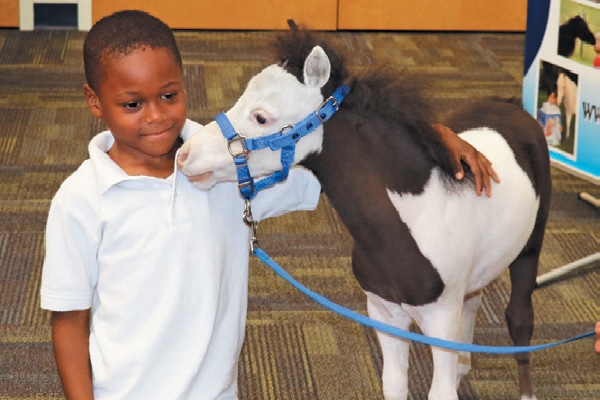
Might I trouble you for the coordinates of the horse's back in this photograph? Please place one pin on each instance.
(522, 133)
(485, 233)
(526, 140)
(479, 234)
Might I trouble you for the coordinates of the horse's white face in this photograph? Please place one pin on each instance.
(273, 99)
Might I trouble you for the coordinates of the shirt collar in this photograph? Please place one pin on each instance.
(108, 173)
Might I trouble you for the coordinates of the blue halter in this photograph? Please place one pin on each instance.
(285, 140)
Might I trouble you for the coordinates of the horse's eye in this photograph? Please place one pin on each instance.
(260, 119)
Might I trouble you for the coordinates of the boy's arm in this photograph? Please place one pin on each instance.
(462, 151)
(300, 192)
(70, 337)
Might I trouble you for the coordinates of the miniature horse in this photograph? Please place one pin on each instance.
(425, 245)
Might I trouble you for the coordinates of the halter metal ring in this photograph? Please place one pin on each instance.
(285, 129)
(242, 142)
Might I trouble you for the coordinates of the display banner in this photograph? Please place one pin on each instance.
(561, 83)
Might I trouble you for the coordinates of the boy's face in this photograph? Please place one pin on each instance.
(141, 97)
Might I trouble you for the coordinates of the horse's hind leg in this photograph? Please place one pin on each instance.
(519, 314)
(395, 350)
(472, 304)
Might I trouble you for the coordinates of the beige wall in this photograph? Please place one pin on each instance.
(478, 15)
(472, 15)
(229, 14)
(9, 14)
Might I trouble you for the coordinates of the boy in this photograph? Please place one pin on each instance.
(146, 276)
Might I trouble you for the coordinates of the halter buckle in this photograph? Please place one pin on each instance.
(245, 187)
(334, 104)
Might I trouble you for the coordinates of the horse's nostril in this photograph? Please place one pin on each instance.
(182, 156)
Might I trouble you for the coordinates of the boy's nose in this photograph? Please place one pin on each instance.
(154, 113)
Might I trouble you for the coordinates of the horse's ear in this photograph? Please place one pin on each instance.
(317, 68)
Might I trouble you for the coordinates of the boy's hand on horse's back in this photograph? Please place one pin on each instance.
(462, 151)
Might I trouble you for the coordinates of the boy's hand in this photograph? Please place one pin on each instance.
(462, 151)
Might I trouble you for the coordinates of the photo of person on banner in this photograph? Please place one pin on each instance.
(557, 105)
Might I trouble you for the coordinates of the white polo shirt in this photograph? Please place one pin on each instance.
(163, 267)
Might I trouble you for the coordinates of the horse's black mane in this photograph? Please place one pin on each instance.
(382, 91)
(293, 46)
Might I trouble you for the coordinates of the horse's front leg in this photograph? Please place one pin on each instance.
(395, 350)
(442, 319)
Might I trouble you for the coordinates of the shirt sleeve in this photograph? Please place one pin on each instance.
(70, 271)
(300, 191)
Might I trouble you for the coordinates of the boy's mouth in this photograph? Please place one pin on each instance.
(161, 133)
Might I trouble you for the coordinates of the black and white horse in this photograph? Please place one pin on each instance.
(425, 245)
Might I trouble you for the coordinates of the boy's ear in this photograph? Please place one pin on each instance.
(92, 101)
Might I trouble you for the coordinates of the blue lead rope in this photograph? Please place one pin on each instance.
(391, 330)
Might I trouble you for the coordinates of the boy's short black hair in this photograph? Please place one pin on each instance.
(121, 33)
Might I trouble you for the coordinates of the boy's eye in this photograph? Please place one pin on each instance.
(133, 105)
(169, 96)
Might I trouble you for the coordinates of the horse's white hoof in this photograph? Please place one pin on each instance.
(528, 398)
